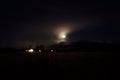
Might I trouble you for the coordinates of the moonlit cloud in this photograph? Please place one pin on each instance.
(42, 23)
(49, 32)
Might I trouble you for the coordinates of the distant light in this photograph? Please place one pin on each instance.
(40, 50)
(30, 50)
(52, 50)
(26, 50)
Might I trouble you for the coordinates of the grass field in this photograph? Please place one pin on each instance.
(59, 65)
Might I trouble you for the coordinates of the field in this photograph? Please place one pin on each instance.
(59, 65)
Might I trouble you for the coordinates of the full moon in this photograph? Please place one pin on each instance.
(61, 33)
(63, 36)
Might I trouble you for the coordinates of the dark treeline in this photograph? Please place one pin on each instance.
(85, 46)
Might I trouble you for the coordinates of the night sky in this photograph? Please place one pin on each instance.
(33, 22)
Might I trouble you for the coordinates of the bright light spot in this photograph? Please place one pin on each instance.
(30, 50)
(52, 50)
(63, 36)
(40, 50)
(61, 31)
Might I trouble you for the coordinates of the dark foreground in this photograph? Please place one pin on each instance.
(58, 66)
